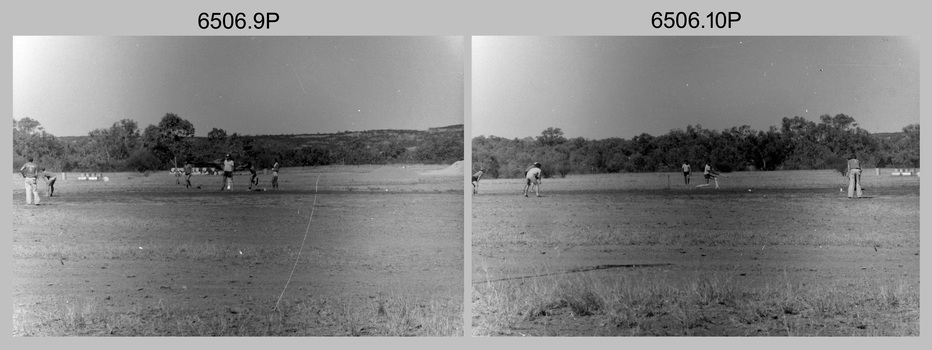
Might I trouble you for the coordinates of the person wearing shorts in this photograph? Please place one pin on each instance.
(853, 172)
(686, 171)
(49, 182)
(533, 175)
(30, 173)
(227, 173)
(275, 169)
(254, 179)
(188, 169)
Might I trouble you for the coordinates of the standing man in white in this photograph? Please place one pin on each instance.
(227, 173)
(275, 169)
(686, 171)
(30, 173)
(854, 176)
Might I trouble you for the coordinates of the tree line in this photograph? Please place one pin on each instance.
(796, 144)
(170, 143)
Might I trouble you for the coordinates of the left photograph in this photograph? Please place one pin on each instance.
(238, 186)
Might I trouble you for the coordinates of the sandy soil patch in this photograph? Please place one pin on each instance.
(786, 258)
(173, 261)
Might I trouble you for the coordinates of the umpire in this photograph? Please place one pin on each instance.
(30, 173)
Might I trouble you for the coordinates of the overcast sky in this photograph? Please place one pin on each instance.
(247, 85)
(599, 87)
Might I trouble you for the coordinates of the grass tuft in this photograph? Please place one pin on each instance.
(400, 315)
(703, 305)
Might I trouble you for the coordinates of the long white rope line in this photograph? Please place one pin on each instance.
(306, 230)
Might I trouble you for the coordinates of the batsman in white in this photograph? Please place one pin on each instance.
(710, 175)
(853, 172)
(533, 176)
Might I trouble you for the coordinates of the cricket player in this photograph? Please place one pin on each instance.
(30, 173)
(709, 175)
(475, 181)
(275, 168)
(853, 172)
(227, 173)
(188, 169)
(533, 177)
(49, 182)
(254, 180)
(686, 171)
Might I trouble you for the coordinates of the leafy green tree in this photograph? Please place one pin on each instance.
(114, 145)
(167, 140)
(31, 140)
(551, 137)
(907, 154)
(217, 135)
(27, 126)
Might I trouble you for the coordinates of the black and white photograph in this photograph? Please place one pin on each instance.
(238, 186)
(418, 174)
(695, 186)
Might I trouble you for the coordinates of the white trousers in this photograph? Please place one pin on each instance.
(32, 191)
(854, 182)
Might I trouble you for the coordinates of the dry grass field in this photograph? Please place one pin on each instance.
(367, 250)
(768, 254)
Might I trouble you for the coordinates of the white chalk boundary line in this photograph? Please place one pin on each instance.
(306, 230)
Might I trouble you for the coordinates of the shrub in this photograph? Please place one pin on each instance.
(724, 167)
(143, 161)
(837, 162)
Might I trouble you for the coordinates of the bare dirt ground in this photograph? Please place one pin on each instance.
(140, 255)
(777, 253)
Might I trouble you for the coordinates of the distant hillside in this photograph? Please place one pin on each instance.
(407, 138)
(440, 145)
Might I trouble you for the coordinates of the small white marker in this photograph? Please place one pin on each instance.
(140, 247)
(240, 252)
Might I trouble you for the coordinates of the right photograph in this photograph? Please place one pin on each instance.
(695, 186)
